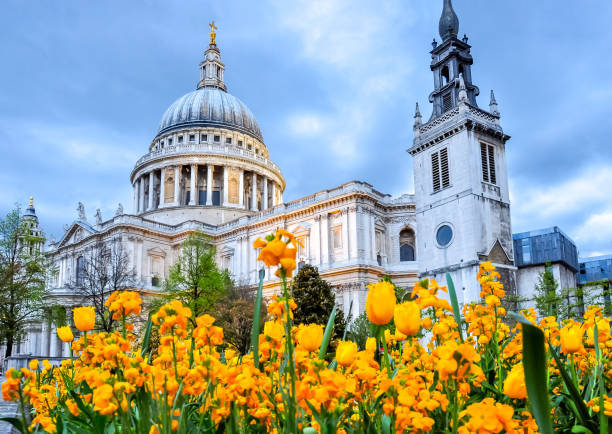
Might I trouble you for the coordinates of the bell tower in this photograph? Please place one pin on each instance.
(460, 173)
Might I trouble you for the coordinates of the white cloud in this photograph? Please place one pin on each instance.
(589, 188)
(597, 227)
(355, 43)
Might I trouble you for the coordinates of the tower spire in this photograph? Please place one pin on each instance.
(449, 23)
(211, 68)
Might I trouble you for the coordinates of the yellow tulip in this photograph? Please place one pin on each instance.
(310, 337)
(370, 345)
(380, 303)
(65, 334)
(514, 386)
(571, 338)
(407, 318)
(346, 353)
(84, 318)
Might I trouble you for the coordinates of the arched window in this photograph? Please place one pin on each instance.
(444, 76)
(407, 243)
(406, 253)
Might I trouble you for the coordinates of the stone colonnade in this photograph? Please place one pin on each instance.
(209, 185)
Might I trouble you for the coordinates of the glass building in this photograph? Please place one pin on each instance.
(544, 245)
(595, 269)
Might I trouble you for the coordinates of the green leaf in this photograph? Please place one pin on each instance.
(603, 419)
(581, 408)
(534, 363)
(581, 429)
(328, 334)
(147, 336)
(18, 424)
(257, 320)
(309, 430)
(386, 424)
(454, 303)
(348, 317)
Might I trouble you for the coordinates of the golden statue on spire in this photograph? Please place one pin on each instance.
(212, 32)
(31, 200)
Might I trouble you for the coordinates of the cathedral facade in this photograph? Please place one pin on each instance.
(208, 169)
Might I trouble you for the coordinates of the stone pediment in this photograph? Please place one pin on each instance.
(226, 251)
(75, 233)
(497, 254)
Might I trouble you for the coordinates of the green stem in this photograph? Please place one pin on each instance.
(386, 352)
(292, 407)
(23, 417)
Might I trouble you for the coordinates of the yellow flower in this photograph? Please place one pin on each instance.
(65, 334)
(346, 353)
(276, 251)
(310, 337)
(514, 386)
(84, 318)
(571, 338)
(380, 302)
(407, 318)
(33, 365)
(370, 345)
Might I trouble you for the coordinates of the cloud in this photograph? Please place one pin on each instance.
(305, 124)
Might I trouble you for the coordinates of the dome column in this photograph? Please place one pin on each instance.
(135, 198)
(151, 182)
(225, 186)
(141, 194)
(209, 181)
(177, 174)
(274, 194)
(265, 194)
(241, 189)
(193, 182)
(254, 193)
(162, 187)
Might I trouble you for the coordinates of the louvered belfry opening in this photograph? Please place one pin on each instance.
(487, 155)
(440, 170)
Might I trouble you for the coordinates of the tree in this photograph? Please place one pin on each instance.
(195, 279)
(315, 300)
(546, 299)
(101, 270)
(23, 272)
(234, 313)
(360, 330)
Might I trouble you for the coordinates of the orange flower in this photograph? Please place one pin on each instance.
(84, 318)
(571, 338)
(310, 337)
(514, 386)
(346, 353)
(276, 251)
(407, 318)
(65, 334)
(380, 302)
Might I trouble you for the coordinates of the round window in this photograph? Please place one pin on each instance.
(444, 235)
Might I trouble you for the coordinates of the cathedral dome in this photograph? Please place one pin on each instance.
(210, 106)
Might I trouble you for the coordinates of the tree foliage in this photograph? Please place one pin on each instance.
(359, 330)
(101, 270)
(23, 272)
(195, 279)
(546, 298)
(315, 300)
(234, 313)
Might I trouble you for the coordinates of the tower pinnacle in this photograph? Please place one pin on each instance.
(211, 68)
(449, 23)
(213, 34)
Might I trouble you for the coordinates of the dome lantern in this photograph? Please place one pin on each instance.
(211, 68)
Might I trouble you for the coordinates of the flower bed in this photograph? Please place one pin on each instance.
(426, 370)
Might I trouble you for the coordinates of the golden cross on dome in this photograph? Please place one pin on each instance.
(212, 32)
(31, 201)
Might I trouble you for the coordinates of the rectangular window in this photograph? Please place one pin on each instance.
(228, 140)
(217, 138)
(169, 142)
(239, 142)
(180, 139)
(487, 155)
(337, 237)
(440, 170)
(192, 137)
(204, 138)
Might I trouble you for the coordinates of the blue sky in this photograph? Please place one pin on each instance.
(332, 83)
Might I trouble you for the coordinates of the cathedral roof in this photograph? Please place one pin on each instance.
(210, 106)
